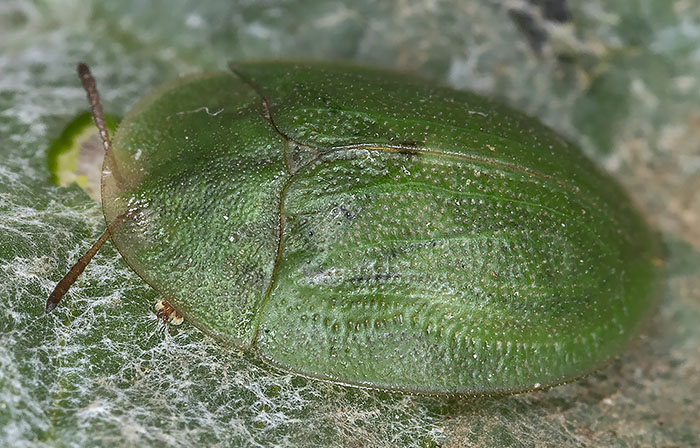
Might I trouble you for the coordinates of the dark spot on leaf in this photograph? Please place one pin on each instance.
(531, 17)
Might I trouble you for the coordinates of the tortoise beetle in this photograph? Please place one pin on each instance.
(374, 229)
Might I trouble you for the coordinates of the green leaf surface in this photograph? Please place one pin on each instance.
(101, 371)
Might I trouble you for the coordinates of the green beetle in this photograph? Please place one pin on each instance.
(374, 229)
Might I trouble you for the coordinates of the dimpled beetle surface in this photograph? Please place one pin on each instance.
(374, 229)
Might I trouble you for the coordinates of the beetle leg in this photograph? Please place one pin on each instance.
(166, 313)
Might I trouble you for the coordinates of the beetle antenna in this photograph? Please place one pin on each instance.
(93, 96)
(67, 281)
(98, 117)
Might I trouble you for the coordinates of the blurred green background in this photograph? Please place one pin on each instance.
(621, 78)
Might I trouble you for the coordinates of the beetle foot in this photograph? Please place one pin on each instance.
(166, 313)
